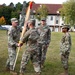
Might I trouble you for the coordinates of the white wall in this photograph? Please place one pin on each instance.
(49, 21)
(53, 22)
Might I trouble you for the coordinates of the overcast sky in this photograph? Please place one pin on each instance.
(7, 2)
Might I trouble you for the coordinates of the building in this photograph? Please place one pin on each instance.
(54, 20)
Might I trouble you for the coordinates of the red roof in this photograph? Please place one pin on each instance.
(52, 8)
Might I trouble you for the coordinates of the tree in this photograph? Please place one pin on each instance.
(3, 4)
(41, 12)
(15, 14)
(68, 12)
(6, 12)
(2, 21)
(11, 5)
(18, 6)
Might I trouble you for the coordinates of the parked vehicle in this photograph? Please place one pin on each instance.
(3, 28)
(7, 26)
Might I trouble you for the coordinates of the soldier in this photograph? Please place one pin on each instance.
(32, 51)
(65, 46)
(44, 40)
(13, 39)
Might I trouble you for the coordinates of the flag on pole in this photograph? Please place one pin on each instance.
(26, 18)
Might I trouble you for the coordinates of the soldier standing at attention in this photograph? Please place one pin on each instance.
(32, 50)
(65, 46)
(13, 39)
(44, 40)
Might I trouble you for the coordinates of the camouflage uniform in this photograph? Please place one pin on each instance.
(44, 40)
(65, 47)
(13, 39)
(32, 51)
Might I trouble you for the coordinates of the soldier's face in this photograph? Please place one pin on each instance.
(43, 22)
(64, 30)
(29, 24)
(14, 24)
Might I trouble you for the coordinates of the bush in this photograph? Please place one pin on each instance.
(2, 21)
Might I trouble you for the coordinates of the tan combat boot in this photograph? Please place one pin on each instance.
(7, 69)
(38, 73)
(66, 72)
(21, 74)
(62, 74)
(13, 72)
(42, 66)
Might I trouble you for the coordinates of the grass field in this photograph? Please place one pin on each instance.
(53, 63)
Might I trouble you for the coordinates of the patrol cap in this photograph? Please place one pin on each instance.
(14, 20)
(43, 19)
(66, 26)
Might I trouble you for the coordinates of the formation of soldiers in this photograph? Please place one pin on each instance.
(37, 41)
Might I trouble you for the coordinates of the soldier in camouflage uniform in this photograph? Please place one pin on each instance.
(65, 46)
(44, 40)
(13, 39)
(32, 51)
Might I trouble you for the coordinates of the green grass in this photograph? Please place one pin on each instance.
(53, 64)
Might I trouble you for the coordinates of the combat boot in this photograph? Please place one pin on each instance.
(7, 69)
(37, 73)
(64, 73)
(21, 74)
(42, 66)
(13, 72)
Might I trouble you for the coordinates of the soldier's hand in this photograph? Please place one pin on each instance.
(17, 45)
(47, 45)
(20, 44)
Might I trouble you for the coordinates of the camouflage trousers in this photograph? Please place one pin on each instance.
(64, 60)
(34, 56)
(11, 57)
(43, 51)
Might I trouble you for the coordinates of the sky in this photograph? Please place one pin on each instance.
(7, 2)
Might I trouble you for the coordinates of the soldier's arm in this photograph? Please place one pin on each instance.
(25, 37)
(49, 36)
(10, 38)
(20, 28)
(67, 43)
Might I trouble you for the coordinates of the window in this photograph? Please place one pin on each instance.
(51, 18)
(56, 21)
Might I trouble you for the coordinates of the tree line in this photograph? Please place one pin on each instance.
(7, 12)
(67, 12)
